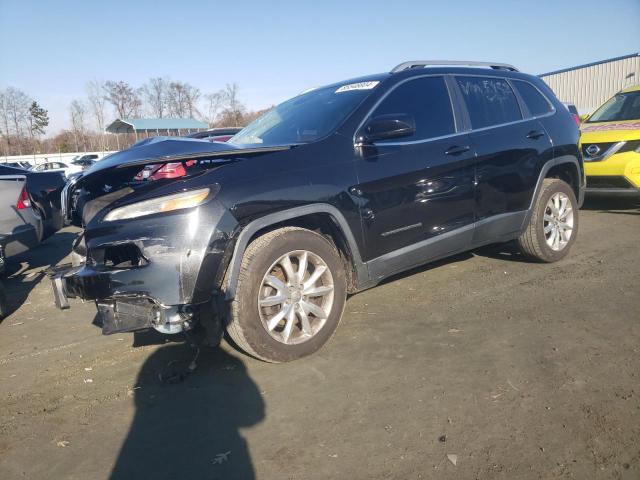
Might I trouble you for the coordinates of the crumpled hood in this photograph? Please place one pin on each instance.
(173, 149)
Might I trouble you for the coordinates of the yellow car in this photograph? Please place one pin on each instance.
(610, 145)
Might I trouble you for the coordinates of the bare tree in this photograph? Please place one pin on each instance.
(156, 93)
(234, 110)
(213, 106)
(124, 98)
(192, 97)
(4, 122)
(182, 100)
(98, 104)
(78, 111)
(17, 106)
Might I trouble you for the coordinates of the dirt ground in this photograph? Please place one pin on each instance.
(480, 367)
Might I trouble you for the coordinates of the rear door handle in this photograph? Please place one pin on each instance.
(457, 150)
(535, 134)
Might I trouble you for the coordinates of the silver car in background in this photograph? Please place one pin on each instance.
(21, 226)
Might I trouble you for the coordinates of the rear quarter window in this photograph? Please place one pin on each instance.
(490, 101)
(535, 101)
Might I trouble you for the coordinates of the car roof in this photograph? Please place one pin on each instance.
(426, 70)
(437, 70)
(633, 88)
(462, 70)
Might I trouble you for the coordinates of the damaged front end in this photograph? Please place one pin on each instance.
(145, 274)
(153, 252)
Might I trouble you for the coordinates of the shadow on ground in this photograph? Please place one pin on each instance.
(20, 277)
(615, 205)
(191, 429)
(427, 266)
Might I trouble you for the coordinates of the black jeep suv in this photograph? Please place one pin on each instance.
(324, 195)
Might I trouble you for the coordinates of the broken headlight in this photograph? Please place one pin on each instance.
(167, 203)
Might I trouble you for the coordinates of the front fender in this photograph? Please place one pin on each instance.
(247, 233)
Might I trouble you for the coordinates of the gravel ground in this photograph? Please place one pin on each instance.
(482, 366)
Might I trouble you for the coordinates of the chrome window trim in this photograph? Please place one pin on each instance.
(414, 142)
(458, 132)
(410, 142)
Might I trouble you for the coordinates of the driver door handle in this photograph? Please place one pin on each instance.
(535, 134)
(457, 150)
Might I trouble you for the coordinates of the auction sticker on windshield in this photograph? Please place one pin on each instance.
(357, 86)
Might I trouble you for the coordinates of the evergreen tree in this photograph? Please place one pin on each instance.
(38, 119)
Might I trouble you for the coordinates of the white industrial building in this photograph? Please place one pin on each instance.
(589, 86)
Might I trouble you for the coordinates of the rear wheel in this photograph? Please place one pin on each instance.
(290, 295)
(553, 225)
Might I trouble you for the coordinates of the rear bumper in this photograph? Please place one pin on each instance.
(21, 239)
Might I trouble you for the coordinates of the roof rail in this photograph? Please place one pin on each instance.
(457, 63)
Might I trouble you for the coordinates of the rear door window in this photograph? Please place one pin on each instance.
(427, 100)
(490, 101)
(535, 101)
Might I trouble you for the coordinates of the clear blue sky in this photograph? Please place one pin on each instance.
(274, 49)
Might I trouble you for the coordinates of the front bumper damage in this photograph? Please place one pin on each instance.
(156, 273)
(117, 314)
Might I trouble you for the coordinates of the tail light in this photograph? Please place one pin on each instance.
(576, 118)
(168, 170)
(23, 200)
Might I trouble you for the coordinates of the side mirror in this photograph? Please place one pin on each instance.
(384, 127)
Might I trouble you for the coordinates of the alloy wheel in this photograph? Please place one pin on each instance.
(295, 297)
(558, 221)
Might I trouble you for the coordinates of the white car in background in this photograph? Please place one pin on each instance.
(76, 165)
(65, 168)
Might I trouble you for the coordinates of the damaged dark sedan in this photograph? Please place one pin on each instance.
(324, 195)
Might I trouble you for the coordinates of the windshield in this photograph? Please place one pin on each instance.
(623, 106)
(305, 118)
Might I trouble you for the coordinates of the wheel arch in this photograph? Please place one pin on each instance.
(324, 218)
(565, 168)
(569, 173)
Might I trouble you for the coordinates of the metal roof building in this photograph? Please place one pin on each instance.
(589, 86)
(157, 126)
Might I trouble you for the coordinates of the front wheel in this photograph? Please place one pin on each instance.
(290, 295)
(553, 225)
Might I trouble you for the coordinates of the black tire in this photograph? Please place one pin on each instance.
(4, 305)
(245, 326)
(533, 243)
(47, 230)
